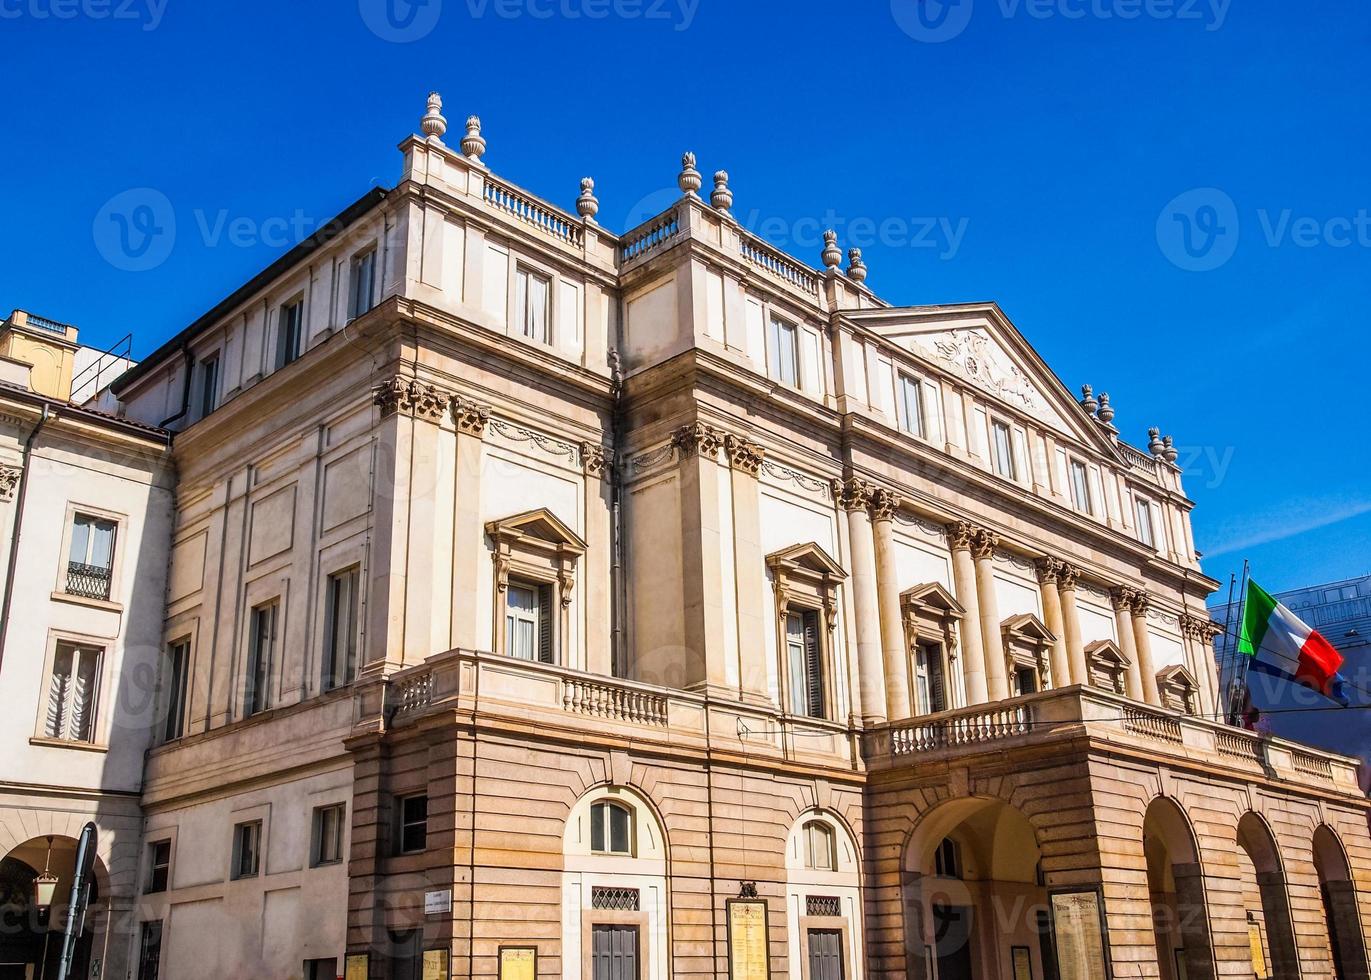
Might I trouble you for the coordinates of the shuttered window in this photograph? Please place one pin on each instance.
(806, 663)
(261, 654)
(529, 631)
(930, 688)
(73, 692)
(340, 619)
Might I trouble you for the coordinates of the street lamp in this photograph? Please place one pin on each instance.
(45, 885)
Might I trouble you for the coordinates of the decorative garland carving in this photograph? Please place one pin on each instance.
(655, 457)
(411, 397)
(548, 444)
(774, 469)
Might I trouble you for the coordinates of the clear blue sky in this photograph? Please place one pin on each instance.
(1051, 140)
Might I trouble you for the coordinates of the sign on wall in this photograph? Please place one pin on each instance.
(748, 957)
(435, 964)
(356, 967)
(1078, 927)
(518, 963)
(438, 902)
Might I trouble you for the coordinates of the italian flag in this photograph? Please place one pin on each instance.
(1281, 645)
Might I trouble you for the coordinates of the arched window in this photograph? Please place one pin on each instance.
(611, 828)
(819, 850)
(947, 860)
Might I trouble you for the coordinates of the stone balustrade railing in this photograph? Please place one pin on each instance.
(778, 264)
(529, 210)
(617, 702)
(648, 238)
(1138, 459)
(1153, 724)
(973, 726)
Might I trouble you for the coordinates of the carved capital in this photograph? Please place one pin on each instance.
(744, 454)
(697, 438)
(471, 417)
(1049, 569)
(983, 544)
(1139, 602)
(883, 504)
(1067, 577)
(594, 459)
(9, 479)
(410, 396)
(1200, 628)
(960, 535)
(1124, 598)
(852, 494)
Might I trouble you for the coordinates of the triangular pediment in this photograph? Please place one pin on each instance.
(978, 345)
(932, 595)
(1179, 675)
(809, 557)
(1107, 651)
(540, 525)
(1029, 627)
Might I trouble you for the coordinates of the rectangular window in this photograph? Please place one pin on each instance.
(150, 950)
(929, 690)
(1080, 488)
(1025, 680)
(1146, 533)
(159, 867)
(1003, 451)
(341, 599)
(412, 824)
(261, 655)
(90, 560)
(73, 693)
(209, 384)
(806, 667)
(528, 622)
(288, 332)
(531, 292)
(327, 847)
(247, 849)
(361, 287)
(176, 683)
(324, 969)
(785, 354)
(911, 400)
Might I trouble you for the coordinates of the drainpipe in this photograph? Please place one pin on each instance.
(20, 495)
(618, 599)
(185, 390)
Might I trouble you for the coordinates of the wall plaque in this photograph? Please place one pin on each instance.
(1078, 927)
(438, 902)
(748, 957)
(1254, 941)
(356, 967)
(1023, 963)
(435, 964)
(518, 963)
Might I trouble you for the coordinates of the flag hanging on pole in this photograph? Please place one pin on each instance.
(1282, 645)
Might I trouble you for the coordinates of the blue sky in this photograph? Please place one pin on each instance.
(1169, 197)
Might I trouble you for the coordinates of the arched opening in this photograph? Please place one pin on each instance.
(615, 905)
(974, 894)
(30, 934)
(823, 899)
(1271, 933)
(1175, 884)
(1345, 939)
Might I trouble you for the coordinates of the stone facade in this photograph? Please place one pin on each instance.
(602, 582)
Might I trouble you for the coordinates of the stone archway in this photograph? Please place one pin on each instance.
(1345, 938)
(1175, 884)
(30, 937)
(973, 890)
(1266, 899)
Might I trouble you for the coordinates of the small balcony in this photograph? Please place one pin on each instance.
(88, 581)
(1103, 717)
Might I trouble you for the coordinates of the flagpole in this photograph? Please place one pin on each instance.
(1227, 652)
(1234, 705)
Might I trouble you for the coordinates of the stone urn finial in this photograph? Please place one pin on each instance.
(1088, 400)
(588, 205)
(856, 268)
(433, 125)
(832, 254)
(1169, 452)
(473, 143)
(1154, 441)
(1106, 411)
(721, 197)
(689, 180)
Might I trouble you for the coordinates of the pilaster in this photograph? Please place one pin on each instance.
(1048, 572)
(745, 461)
(983, 545)
(1067, 576)
(959, 539)
(881, 506)
(1122, 599)
(854, 496)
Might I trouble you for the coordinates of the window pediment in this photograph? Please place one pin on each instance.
(538, 529)
(806, 561)
(1027, 630)
(1178, 688)
(1108, 666)
(932, 600)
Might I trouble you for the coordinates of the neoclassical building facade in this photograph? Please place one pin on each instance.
(565, 603)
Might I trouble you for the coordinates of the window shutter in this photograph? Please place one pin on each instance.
(545, 651)
(936, 693)
(814, 673)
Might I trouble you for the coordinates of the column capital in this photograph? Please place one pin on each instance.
(883, 504)
(961, 534)
(1067, 577)
(744, 454)
(697, 438)
(1125, 597)
(852, 493)
(1049, 569)
(471, 417)
(595, 459)
(1200, 627)
(410, 396)
(983, 544)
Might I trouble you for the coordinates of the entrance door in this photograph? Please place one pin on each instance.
(615, 952)
(825, 954)
(952, 936)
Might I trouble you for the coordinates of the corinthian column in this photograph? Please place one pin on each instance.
(882, 507)
(1122, 600)
(1138, 607)
(959, 537)
(1067, 575)
(1048, 569)
(983, 545)
(854, 497)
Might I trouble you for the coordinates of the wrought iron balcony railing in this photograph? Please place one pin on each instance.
(88, 581)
